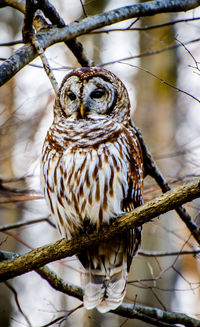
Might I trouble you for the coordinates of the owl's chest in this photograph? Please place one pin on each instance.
(89, 184)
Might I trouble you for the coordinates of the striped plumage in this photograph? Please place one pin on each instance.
(92, 171)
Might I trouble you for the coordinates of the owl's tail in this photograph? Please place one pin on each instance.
(105, 292)
(106, 275)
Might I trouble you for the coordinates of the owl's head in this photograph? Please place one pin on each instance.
(91, 94)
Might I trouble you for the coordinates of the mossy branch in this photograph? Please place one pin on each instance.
(63, 248)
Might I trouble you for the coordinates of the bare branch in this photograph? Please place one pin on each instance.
(191, 55)
(17, 302)
(145, 28)
(25, 223)
(5, 255)
(50, 12)
(140, 55)
(35, 259)
(29, 36)
(17, 4)
(83, 7)
(62, 248)
(74, 45)
(27, 53)
(160, 316)
(163, 81)
(152, 169)
(168, 254)
(62, 318)
(149, 53)
(156, 317)
(60, 284)
(45, 63)
(19, 198)
(27, 30)
(8, 44)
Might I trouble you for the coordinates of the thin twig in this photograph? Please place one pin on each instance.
(148, 53)
(144, 253)
(161, 80)
(26, 223)
(132, 23)
(144, 28)
(63, 317)
(191, 55)
(83, 7)
(45, 62)
(29, 36)
(17, 302)
(8, 44)
(19, 198)
(152, 169)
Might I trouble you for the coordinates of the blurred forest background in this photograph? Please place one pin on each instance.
(170, 123)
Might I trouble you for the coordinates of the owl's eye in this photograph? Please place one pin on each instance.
(71, 96)
(97, 94)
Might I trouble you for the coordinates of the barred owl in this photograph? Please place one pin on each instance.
(92, 172)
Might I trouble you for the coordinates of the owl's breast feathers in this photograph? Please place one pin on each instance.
(92, 172)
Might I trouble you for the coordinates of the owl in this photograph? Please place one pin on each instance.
(92, 172)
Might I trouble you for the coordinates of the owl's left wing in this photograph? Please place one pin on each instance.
(134, 196)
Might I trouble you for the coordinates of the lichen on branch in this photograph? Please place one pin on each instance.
(63, 248)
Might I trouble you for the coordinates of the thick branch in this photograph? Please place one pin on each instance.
(62, 248)
(51, 13)
(17, 4)
(60, 284)
(74, 45)
(28, 20)
(27, 53)
(159, 316)
(154, 316)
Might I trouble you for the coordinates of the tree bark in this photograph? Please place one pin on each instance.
(27, 53)
(62, 248)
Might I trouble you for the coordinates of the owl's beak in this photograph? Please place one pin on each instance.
(82, 110)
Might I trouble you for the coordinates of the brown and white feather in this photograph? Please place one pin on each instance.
(92, 172)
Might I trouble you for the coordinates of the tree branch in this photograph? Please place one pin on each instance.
(74, 45)
(156, 317)
(63, 248)
(19, 224)
(60, 284)
(152, 169)
(145, 28)
(51, 13)
(27, 30)
(27, 53)
(16, 4)
(19, 198)
(144, 253)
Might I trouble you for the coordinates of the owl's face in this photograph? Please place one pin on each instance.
(91, 93)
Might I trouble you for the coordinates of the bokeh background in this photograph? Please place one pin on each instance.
(170, 123)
